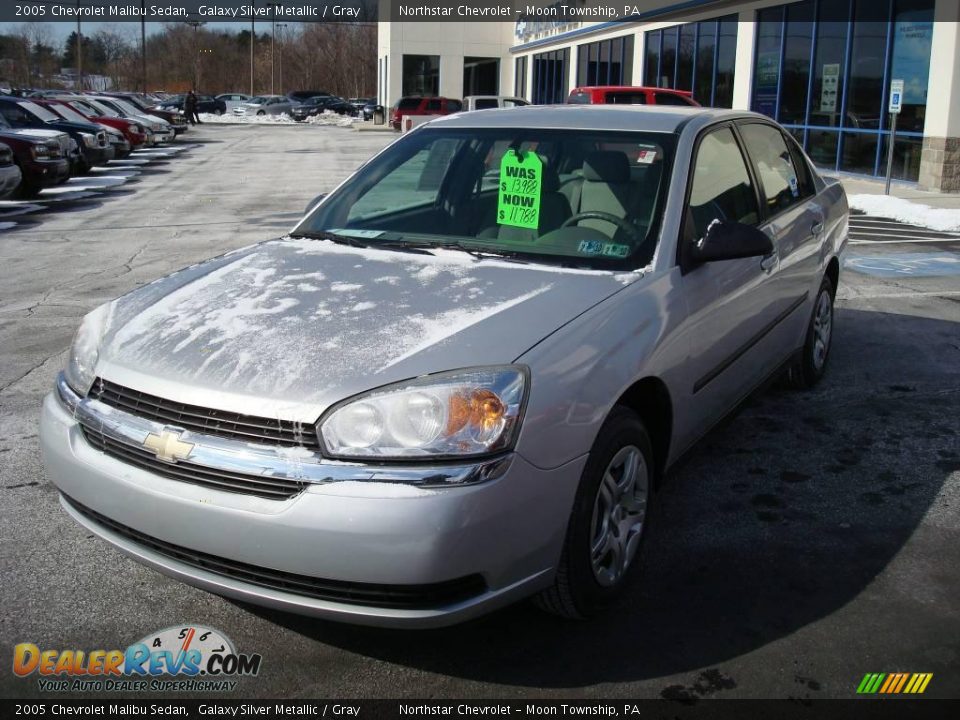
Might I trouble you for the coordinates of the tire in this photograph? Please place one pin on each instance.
(26, 191)
(260, 112)
(811, 365)
(218, 112)
(590, 575)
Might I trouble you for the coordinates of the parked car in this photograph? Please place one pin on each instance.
(90, 138)
(628, 95)
(298, 96)
(490, 102)
(384, 445)
(10, 175)
(316, 106)
(415, 105)
(232, 100)
(267, 105)
(161, 130)
(135, 133)
(39, 154)
(205, 104)
(121, 146)
(174, 117)
(357, 104)
(367, 111)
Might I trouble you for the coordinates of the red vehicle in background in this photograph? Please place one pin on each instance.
(133, 131)
(629, 95)
(416, 105)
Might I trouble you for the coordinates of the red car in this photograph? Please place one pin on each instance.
(627, 95)
(415, 105)
(133, 131)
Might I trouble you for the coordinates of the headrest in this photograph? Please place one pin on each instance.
(609, 166)
(550, 180)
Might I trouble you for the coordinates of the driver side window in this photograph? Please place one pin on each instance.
(721, 189)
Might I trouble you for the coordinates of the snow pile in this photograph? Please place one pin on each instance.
(228, 118)
(894, 208)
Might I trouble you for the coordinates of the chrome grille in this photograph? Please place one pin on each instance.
(263, 486)
(205, 420)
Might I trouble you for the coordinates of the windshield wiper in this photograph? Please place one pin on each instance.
(454, 245)
(332, 237)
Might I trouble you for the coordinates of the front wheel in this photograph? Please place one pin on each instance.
(811, 365)
(218, 112)
(260, 112)
(609, 519)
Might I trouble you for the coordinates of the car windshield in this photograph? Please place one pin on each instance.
(38, 111)
(259, 100)
(555, 196)
(126, 107)
(68, 113)
(98, 108)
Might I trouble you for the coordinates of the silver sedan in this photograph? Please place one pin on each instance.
(266, 105)
(459, 381)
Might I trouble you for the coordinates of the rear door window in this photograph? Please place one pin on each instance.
(433, 105)
(620, 97)
(774, 166)
(485, 103)
(720, 190)
(671, 99)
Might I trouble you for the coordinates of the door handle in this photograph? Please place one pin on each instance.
(767, 263)
(817, 227)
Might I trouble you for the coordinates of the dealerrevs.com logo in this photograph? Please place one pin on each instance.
(197, 658)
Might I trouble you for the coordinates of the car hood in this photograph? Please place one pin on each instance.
(288, 327)
(34, 133)
(68, 126)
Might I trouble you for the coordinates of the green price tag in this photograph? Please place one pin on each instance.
(520, 183)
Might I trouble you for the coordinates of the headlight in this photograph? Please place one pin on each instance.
(85, 350)
(140, 129)
(88, 139)
(464, 413)
(40, 152)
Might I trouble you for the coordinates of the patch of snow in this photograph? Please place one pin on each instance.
(361, 306)
(345, 287)
(894, 208)
(444, 325)
(307, 287)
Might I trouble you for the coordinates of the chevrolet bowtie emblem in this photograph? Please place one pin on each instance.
(168, 446)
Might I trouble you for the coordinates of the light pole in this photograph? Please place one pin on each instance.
(253, 35)
(143, 46)
(79, 52)
(200, 54)
(281, 26)
(273, 44)
(195, 24)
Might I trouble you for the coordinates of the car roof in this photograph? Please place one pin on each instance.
(647, 118)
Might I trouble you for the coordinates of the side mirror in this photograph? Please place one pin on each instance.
(731, 240)
(313, 203)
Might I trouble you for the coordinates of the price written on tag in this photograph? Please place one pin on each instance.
(520, 189)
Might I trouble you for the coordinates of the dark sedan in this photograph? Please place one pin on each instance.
(10, 174)
(205, 104)
(314, 106)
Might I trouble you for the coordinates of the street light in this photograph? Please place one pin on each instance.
(253, 35)
(281, 26)
(195, 24)
(200, 54)
(273, 42)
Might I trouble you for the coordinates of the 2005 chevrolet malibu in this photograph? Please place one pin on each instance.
(459, 380)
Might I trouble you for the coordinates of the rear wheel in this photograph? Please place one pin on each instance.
(609, 519)
(260, 112)
(811, 365)
(218, 112)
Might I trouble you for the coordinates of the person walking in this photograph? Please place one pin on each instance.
(190, 108)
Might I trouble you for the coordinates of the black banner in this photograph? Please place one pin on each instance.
(882, 709)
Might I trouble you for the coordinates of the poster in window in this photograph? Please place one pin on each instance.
(830, 88)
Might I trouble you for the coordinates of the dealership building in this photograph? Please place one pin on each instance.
(822, 68)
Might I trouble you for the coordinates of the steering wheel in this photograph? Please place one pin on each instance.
(606, 217)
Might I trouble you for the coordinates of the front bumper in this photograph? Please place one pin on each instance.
(46, 173)
(98, 155)
(347, 529)
(10, 177)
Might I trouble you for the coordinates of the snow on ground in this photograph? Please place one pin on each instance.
(327, 118)
(894, 208)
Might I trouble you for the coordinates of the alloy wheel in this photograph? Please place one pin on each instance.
(822, 329)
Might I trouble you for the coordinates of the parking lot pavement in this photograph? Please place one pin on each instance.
(810, 539)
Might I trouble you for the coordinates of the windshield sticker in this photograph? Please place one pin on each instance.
(596, 247)
(646, 157)
(794, 188)
(520, 186)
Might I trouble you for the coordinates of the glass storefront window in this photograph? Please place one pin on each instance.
(520, 77)
(796, 63)
(703, 73)
(837, 104)
(607, 62)
(421, 75)
(697, 56)
(550, 76)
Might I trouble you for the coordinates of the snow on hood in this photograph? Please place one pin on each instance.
(36, 132)
(301, 324)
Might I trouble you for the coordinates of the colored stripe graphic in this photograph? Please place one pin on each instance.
(894, 683)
